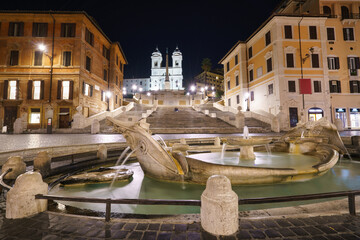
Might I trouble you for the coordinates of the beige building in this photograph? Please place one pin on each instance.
(51, 63)
(300, 64)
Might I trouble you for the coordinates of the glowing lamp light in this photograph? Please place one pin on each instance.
(134, 87)
(192, 88)
(108, 94)
(187, 93)
(41, 47)
(148, 94)
(202, 89)
(206, 88)
(246, 95)
(140, 89)
(124, 89)
(212, 88)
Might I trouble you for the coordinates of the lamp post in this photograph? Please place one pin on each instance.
(108, 96)
(43, 49)
(192, 89)
(206, 89)
(247, 101)
(140, 90)
(202, 92)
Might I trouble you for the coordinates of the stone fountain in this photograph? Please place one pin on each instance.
(170, 165)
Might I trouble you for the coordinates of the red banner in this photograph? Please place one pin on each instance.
(305, 85)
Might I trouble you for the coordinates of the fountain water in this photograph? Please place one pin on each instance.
(120, 169)
(122, 155)
(223, 151)
(246, 132)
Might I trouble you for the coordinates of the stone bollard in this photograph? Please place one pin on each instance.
(16, 164)
(102, 152)
(217, 142)
(42, 163)
(219, 207)
(20, 200)
(213, 115)
(18, 126)
(95, 127)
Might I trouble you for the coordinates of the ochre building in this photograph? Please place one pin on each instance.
(302, 63)
(53, 62)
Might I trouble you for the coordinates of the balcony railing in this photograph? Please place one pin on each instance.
(351, 16)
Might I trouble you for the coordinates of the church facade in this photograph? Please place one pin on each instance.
(162, 77)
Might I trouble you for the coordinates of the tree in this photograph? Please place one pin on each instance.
(206, 64)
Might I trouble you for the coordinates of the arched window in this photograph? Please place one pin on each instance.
(326, 10)
(345, 12)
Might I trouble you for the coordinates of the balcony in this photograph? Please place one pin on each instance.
(350, 16)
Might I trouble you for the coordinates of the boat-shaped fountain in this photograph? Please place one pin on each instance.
(322, 143)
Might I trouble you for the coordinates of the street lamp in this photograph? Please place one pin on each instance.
(43, 49)
(246, 96)
(140, 90)
(192, 89)
(202, 92)
(108, 96)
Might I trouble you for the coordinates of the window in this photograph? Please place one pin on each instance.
(250, 52)
(67, 58)
(354, 87)
(35, 116)
(335, 86)
(252, 96)
(65, 90)
(117, 80)
(68, 30)
(326, 10)
(116, 100)
(228, 85)
(89, 37)
(237, 80)
(270, 89)
(88, 63)
(267, 38)
(106, 53)
(227, 67)
(348, 34)
(251, 75)
(16, 29)
(103, 96)
(87, 89)
(345, 14)
(315, 61)
(353, 65)
(37, 90)
(330, 34)
(105, 75)
(38, 56)
(312, 32)
(236, 59)
(259, 72)
(291, 86)
(288, 31)
(229, 102)
(237, 99)
(269, 64)
(13, 90)
(317, 86)
(14, 58)
(333, 63)
(40, 29)
(290, 60)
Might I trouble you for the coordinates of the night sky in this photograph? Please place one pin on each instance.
(201, 29)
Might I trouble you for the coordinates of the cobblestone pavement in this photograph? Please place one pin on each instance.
(49, 226)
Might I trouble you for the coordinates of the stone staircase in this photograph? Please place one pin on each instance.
(186, 120)
(254, 125)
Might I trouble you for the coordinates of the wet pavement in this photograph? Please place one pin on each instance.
(53, 226)
(10, 142)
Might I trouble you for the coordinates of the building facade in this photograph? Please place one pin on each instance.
(158, 72)
(51, 63)
(301, 64)
(211, 79)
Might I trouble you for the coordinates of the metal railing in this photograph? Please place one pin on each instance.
(108, 201)
(351, 16)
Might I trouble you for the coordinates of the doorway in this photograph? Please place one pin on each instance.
(64, 118)
(315, 114)
(10, 117)
(293, 114)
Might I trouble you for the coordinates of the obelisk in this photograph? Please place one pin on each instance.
(167, 81)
